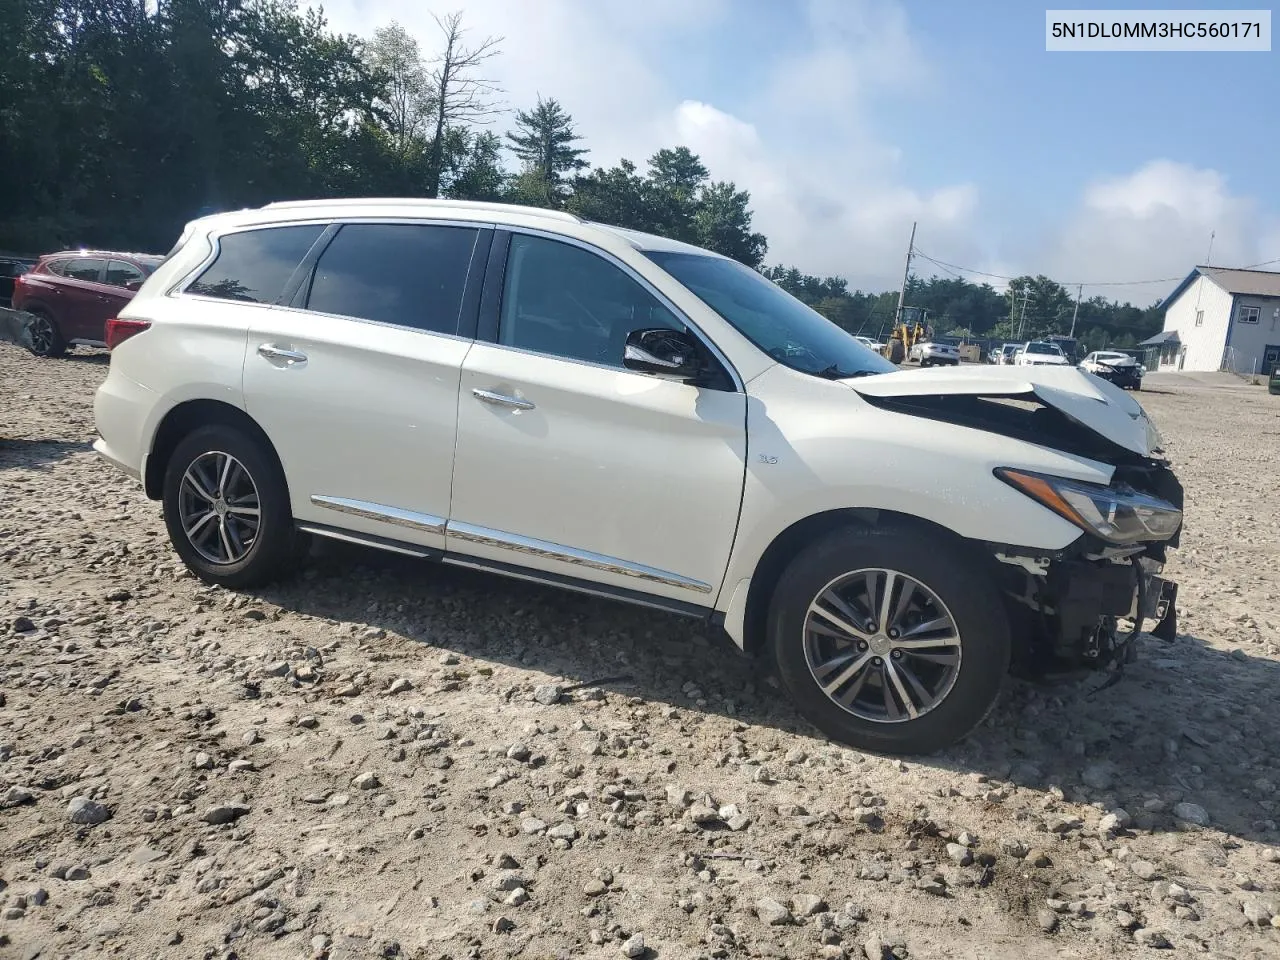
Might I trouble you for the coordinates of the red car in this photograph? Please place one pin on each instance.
(74, 293)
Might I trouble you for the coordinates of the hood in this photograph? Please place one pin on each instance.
(1085, 400)
(1119, 363)
(1045, 359)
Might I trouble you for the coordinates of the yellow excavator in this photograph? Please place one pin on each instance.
(906, 333)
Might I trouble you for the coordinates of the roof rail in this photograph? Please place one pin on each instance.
(425, 202)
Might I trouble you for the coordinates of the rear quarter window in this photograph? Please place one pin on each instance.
(253, 266)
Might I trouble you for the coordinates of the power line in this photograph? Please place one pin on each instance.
(1103, 283)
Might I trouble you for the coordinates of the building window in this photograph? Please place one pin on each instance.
(1199, 318)
(1248, 314)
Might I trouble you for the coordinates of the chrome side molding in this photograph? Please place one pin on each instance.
(486, 536)
(423, 522)
(470, 533)
(365, 540)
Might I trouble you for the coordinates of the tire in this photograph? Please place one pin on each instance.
(954, 585)
(46, 338)
(247, 556)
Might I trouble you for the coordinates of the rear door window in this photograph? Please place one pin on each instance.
(85, 268)
(120, 273)
(411, 275)
(253, 266)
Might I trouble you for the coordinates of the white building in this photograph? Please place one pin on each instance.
(1221, 319)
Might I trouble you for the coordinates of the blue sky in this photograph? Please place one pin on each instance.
(847, 119)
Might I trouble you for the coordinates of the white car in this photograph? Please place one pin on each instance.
(520, 391)
(1116, 367)
(870, 344)
(1041, 353)
(930, 354)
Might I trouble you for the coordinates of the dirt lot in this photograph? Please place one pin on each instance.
(390, 759)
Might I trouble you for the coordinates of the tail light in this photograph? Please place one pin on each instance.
(118, 331)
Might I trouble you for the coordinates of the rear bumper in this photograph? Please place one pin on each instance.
(102, 450)
(121, 412)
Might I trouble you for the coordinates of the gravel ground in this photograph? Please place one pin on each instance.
(392, 759)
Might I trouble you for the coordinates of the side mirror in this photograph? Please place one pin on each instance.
(661, 350)
(133, 284)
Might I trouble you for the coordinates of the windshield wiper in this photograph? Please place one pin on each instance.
(833, 372)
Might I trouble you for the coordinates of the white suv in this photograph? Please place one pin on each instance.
(521, 391)
(1041, 353)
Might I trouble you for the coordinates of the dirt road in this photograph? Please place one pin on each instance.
(391, 759)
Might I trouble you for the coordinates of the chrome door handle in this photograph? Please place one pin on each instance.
(272, 352)
(501, 399)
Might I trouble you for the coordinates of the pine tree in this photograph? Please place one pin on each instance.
(544, 139)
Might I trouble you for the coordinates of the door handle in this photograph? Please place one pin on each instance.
(501, 400)
(272, 352)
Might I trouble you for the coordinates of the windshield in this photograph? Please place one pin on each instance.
(1043, 348)
(772, 319)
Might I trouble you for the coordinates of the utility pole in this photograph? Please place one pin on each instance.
(902, 296)
(1026, 295)
(1076, 312)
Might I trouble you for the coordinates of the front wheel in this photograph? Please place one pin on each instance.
(226, 506)
(889, 640)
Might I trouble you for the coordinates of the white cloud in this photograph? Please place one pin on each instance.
(1156, 222)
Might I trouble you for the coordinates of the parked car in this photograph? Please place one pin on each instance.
(1039, 353)
(10, 269)
(930, 353)
(1119, 368)
(1008, 353)
(517, 390)
(72, 295)
(870, 344)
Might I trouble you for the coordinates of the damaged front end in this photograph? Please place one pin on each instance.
(1083, 605)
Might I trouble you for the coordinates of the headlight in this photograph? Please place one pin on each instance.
(1117, 515)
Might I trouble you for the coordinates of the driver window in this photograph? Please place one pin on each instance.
(565, 301)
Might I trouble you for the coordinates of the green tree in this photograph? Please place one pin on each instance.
(676, 180)
(617, 195)
(477, 172)
(544, 140)
(723, 223)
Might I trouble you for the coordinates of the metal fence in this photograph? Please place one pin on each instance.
(1241, 365)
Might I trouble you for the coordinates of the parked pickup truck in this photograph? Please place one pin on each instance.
(520, 391)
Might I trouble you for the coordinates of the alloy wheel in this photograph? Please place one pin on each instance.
(219, 507)
(42, 334)
(882, 645)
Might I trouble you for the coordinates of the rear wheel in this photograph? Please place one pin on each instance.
(226, 506)
(889, 640)
(46, 338)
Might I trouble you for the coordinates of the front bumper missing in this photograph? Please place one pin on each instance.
(1073, 608)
